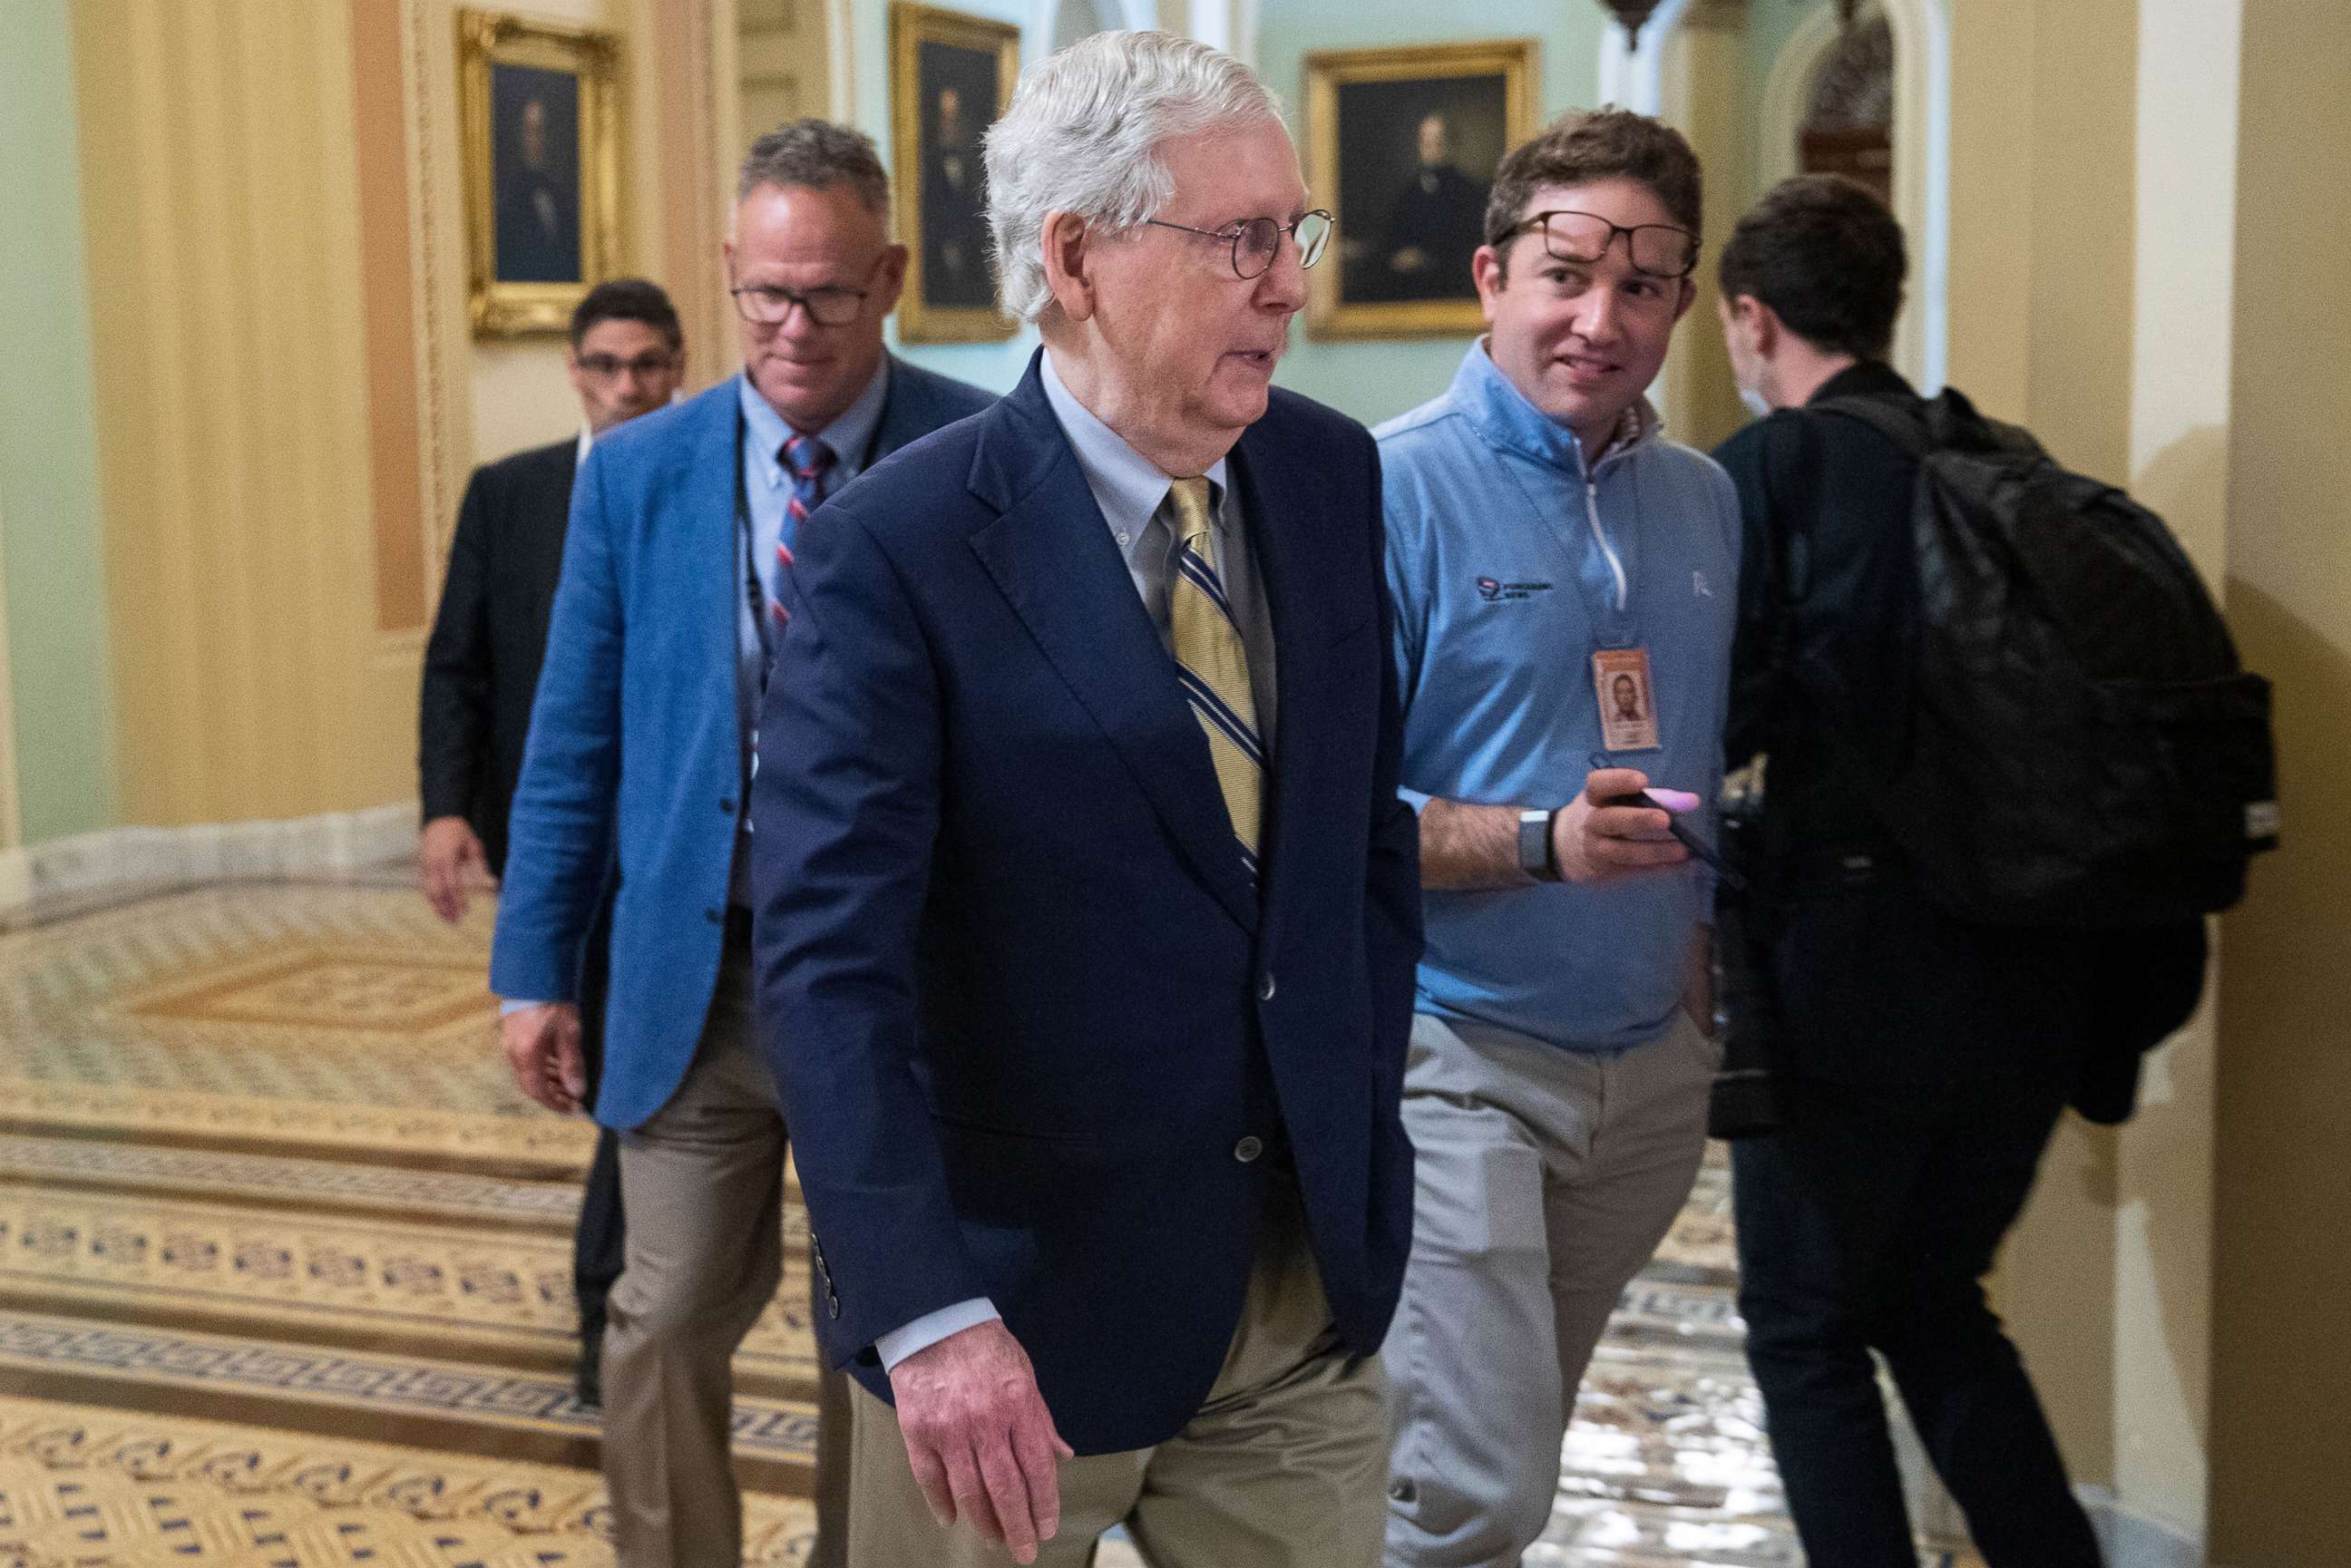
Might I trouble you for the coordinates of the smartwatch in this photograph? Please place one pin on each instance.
(1538, 854)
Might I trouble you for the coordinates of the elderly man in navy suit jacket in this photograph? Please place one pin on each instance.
(1087, 908)
(641, 747)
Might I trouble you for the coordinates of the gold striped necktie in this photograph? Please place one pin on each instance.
(1213, 664)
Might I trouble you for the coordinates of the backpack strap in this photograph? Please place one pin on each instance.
(1906, 427)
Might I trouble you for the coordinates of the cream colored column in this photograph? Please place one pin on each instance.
(1701, 96)
(2179, 419)
(2043, 259)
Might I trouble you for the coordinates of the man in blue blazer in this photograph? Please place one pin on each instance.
(1086, 975)
(641, 747)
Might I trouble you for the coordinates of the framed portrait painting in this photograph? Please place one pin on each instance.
(1402, 145)
(540, 108)
(950, 75)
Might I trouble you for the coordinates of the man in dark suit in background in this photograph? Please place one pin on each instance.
(1087, 983)
(481, 665)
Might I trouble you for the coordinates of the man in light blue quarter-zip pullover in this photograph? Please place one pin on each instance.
(1565, 584)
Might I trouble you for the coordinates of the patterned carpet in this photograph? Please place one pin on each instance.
(285, 1276)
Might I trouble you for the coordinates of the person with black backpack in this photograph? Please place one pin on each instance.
(1993, 761)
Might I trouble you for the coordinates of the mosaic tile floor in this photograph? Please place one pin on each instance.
(283, 1276)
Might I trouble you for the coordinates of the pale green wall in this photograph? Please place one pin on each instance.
(1370, 381)
(996, 366)
(48, 441)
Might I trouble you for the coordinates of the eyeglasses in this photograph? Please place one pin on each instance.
(770, 305)
(608, 366)
(1659, 250)
(1258, 241)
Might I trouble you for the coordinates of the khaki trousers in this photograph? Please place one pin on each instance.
(1543, 1180)
(1281, 1468)
(703, 1186)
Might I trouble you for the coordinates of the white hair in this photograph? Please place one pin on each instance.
(1083, 136)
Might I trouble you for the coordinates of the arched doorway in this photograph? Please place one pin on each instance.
(1828, 77)
(1849, 122)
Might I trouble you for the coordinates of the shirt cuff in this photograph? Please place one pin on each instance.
(1413, 798)
(516, 1004)
(932, 1327)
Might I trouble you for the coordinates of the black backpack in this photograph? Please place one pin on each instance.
(2088, 752)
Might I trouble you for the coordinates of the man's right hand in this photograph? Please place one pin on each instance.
(1596, 841)
(449, 857)
(543, 1048)
(980, 1440)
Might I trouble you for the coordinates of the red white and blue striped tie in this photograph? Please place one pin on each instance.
(808, 460)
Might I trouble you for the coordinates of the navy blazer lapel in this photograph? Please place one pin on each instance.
(1050, 555)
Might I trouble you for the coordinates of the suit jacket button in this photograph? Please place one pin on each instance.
(727, 807)
(716, 916)
(1265, 988)
(1247, 1149)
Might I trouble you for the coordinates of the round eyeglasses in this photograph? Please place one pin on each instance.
(1659, 250)
(1258, 241)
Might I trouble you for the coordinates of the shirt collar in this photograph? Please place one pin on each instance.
(1502, 411)
(850, 433)
(1128, 485)
(587, 440)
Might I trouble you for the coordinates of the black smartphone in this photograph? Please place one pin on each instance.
(1682, 835)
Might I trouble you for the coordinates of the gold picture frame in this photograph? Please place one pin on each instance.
(539, 107)
(937, 60)
(1366, 117)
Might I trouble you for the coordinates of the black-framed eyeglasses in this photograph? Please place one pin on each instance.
(1258, 241)
(1657, 250)
(770, 305)
(647, 365)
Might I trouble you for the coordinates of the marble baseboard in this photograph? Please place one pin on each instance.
(89, 865)
(2132, 1541)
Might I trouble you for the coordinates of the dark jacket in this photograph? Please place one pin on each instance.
(1023, 999)
(481, 663)
(1874, 980)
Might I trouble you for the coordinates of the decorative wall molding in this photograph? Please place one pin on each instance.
(431, 236)
(208, 851)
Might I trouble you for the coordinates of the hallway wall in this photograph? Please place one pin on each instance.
(56, 700)
(233, 415)
(2281, 1377)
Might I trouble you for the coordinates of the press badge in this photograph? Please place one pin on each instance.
(1628, 706)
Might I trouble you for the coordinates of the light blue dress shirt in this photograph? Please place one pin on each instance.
(1511, 562)
(766, 488)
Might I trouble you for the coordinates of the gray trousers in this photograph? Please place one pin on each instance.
(1545, 1180)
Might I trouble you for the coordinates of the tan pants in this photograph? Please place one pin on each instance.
(703, 1186)
(1282, 1468)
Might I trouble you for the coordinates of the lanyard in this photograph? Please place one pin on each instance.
(754, 593)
